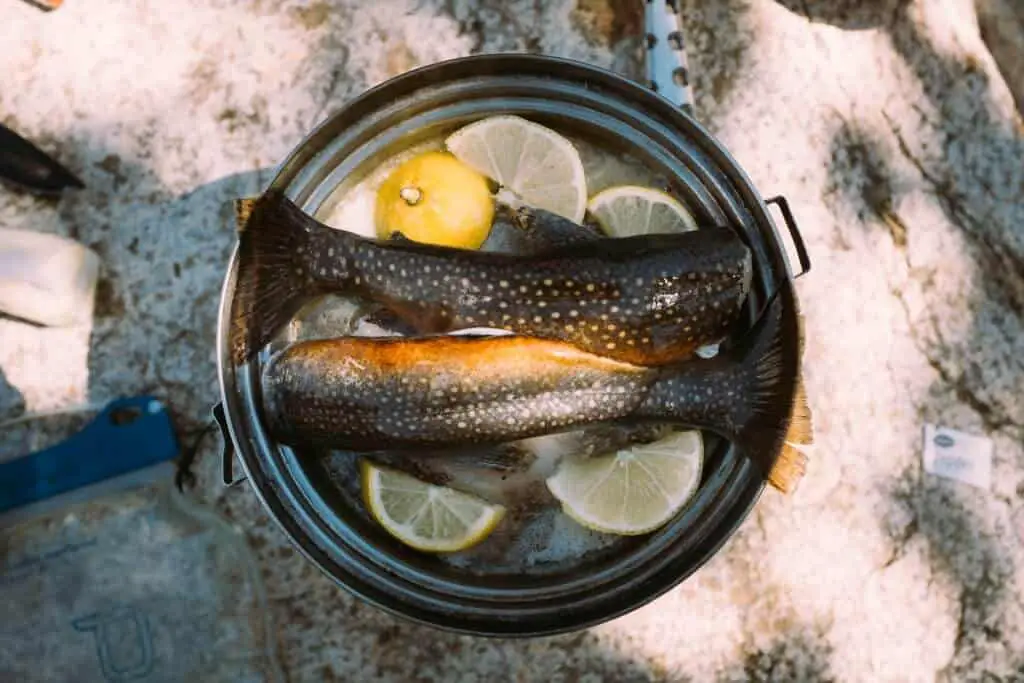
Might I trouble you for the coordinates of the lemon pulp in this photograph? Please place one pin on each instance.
(541, 167)
(627, 210)
(634, 490)
(424, 516)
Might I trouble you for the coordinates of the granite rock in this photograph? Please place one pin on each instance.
(1002, 28)
(887, 124)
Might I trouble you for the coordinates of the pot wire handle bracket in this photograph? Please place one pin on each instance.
(794, 234)
(186, 477)
(227, 454)
(667, 70)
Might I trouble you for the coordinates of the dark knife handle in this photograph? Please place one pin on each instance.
(29, 167)
(46, 5)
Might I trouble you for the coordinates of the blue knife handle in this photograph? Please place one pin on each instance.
(128, 434)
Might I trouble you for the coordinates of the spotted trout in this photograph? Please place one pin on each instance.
(395, 394)
(646, 300)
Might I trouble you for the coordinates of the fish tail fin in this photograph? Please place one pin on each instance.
(791, 463)
(274, 278)
(752, 394)
(775, 425)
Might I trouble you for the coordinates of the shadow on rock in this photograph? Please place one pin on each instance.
(393, 650)
(971, 167)
(964, 548)
(859, 176)
(20, 437)
(155, 322)
(978, 178)
(797, 656)
(979, 150)
(12, 404)
(718, 40)
(848, 14)
(163, 259)
(1001, 23)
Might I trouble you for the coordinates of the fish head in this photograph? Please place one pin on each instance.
(697, 293)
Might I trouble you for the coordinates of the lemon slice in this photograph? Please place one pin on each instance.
(538, 165)
(424, 516)
(627, 210)
(632, 491)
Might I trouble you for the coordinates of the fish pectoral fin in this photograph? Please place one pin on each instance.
(554, 229)
(504, 458)
(507, 458)
(384, 317)
(608, 437)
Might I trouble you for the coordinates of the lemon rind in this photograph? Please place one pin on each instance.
(579, 180)
(594, 524)
(474, 536)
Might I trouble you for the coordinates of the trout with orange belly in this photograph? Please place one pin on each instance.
(375, 394)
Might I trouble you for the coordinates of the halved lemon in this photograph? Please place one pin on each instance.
(627, 210)
(424, 516)
(541, 167)
(632, 491)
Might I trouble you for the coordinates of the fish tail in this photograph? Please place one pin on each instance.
(752, 394)
(276, 270)
(775, 424)
(791, 463)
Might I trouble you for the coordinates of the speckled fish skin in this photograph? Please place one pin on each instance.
(375, 394)
(516, 230)
(361, 394)
(646, 300)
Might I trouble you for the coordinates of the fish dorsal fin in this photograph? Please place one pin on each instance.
(243, 209)
(549, 230)
(527, 230)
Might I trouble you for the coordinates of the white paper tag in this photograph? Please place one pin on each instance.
(956, 455)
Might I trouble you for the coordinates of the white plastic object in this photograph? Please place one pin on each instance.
(46, 279)
(953, 454)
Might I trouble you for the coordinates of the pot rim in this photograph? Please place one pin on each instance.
(360, 576)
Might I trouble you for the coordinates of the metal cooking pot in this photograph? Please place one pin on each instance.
(328, 524)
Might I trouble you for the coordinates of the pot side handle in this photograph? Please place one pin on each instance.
(227, 455)
(185, 477)
(794, 233)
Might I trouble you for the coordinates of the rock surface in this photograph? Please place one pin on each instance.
(886, 124)
(1002, 28)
